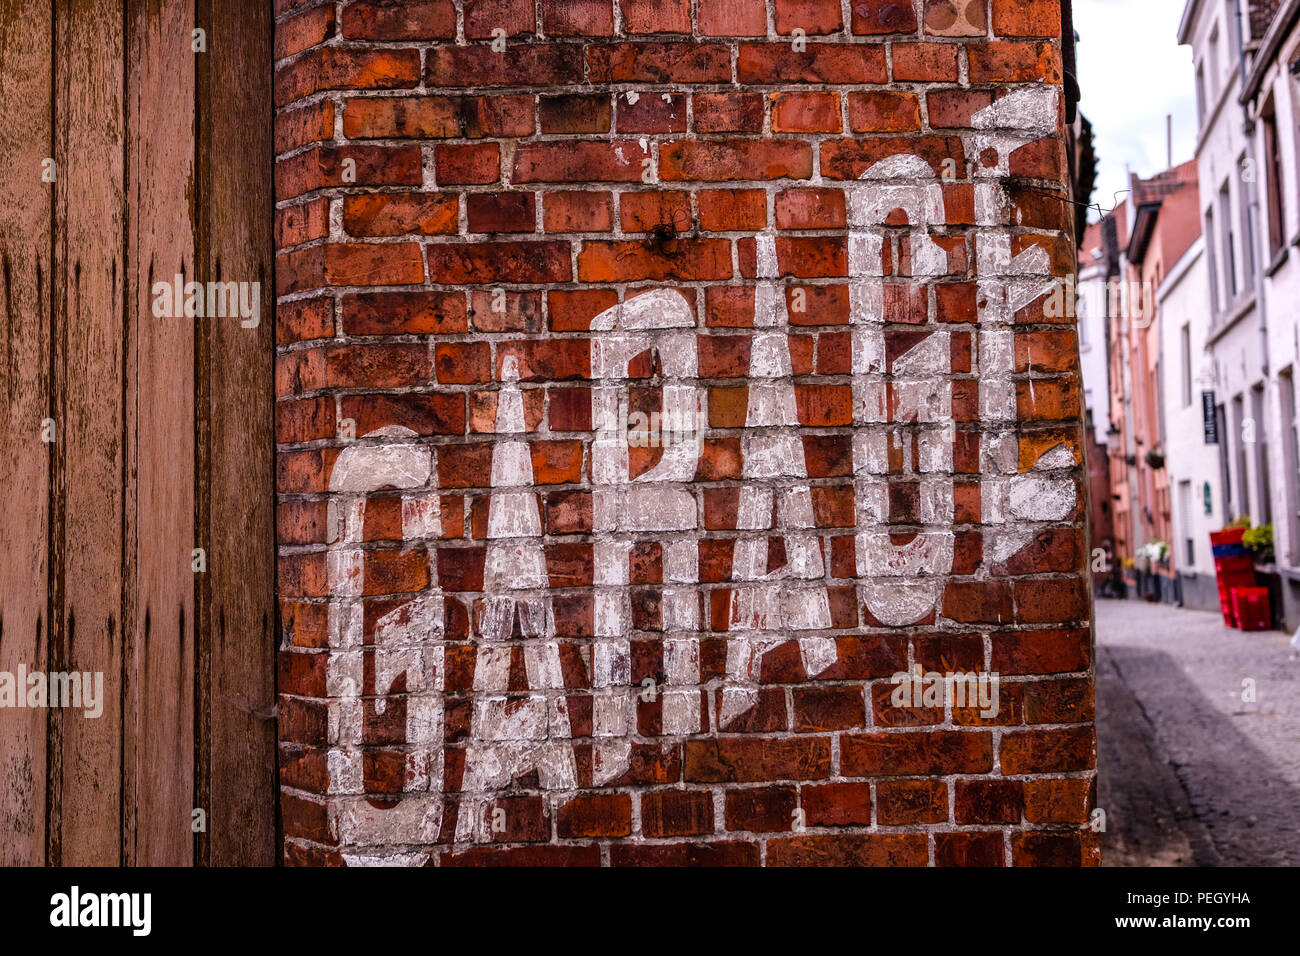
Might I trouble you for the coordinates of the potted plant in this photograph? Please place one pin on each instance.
(1259, 542)
(1155, 551)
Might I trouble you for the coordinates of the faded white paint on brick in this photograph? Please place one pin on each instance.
(899, 584)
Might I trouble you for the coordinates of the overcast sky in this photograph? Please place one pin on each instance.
(1132, 73)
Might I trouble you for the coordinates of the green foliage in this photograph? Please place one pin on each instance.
(1259, 541)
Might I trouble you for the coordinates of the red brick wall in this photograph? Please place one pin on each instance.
(515, 631)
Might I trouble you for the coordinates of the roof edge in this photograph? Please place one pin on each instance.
(1268, 49)
(1185, 24)
(1175, 276)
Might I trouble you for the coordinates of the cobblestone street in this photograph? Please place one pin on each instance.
(1190, 774)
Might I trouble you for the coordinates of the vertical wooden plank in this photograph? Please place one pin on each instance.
(235, 245)
(86, 759)
(25, 141)
(159, 742)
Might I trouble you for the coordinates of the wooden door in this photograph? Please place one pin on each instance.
(138, 539)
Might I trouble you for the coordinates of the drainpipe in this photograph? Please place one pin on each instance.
(1069, 62)
(1252, 201)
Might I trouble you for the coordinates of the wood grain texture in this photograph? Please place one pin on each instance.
(240, 660)
(25, 201)
(89, 382)
(159, 741)
(163, 429)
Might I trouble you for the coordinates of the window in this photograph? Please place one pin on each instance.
(1291, 461)
(1225, 473)
(1247, 228)
(1185, 522)
(1229, 248)
(1212, 265)
(1240, 432)
(1212, 56)
(1290, 121)
(1273, 181)
(1186, 336)
(1265, 492)
(1238, 26)
(1157, 398)
(1200, 95)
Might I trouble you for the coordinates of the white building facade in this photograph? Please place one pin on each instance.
(1192, 458)
(1245, 53)
(1090, 306)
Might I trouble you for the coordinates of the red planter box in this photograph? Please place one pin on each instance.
(1251, 608)
(1237, 564)
(1236, 579)
(1227, 536)
(1234, 570)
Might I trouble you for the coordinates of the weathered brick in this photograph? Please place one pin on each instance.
(1027, 18)
(1014, 62)
(692, 260)
(884, 112)
(728, 112)
(925, 62)
(525, 65)
(969, 849)
(396, 313)
(482, 262)
(337, 68)
(483, 17)
(1049, 751)
(438, 117)
(304, 30)
(589, 18)
(675, 813)
(399, 20)
(732, 210)
(744, 760)
(651, 113)
(659, 63)
(329, 166)
(915, 754)
(868, 849)
(468, 165)
(595, 815)
(902, 802)
(575, 113)
(877, 17)
(836, 805)
(810, 16)
(733, 18)
(308, 124)
(806, 113)
(483, 306)
(399, 214)
(717, 161)
(775, 64)
(656, 16)
(583, 162)
(501, 212)
(989, 801)
(578, 211)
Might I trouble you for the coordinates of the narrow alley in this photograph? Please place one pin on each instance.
(1190, 773)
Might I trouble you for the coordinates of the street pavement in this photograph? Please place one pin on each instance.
(1190, 773)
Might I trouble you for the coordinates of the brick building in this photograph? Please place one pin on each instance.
(1098, 264)
(1248, 94)
(657, 381)
(666, 446)
(1158, 225)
